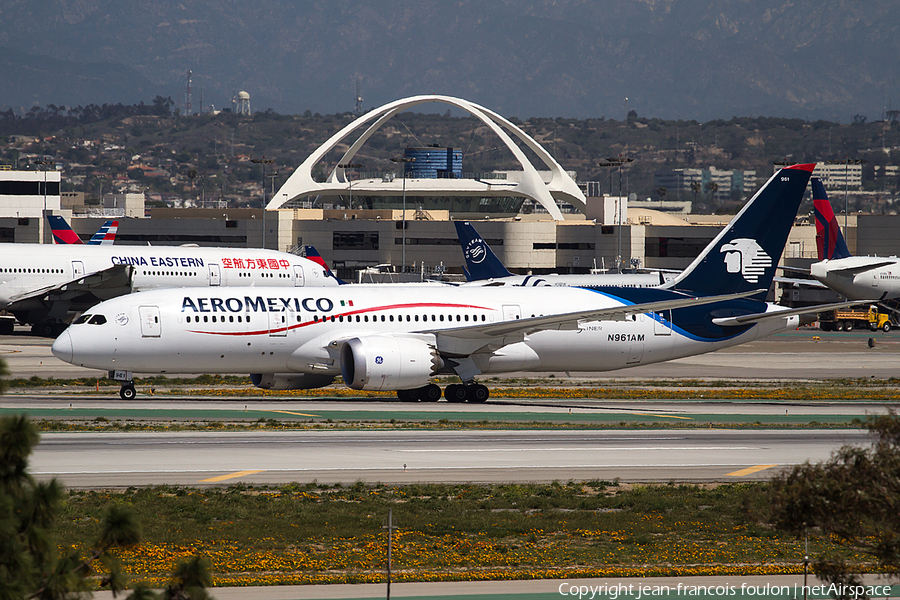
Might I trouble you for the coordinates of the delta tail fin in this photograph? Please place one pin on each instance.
(744, 256)
(481, 262)
(310, 253)
(62, 232)
(106, 235)
(829, 240)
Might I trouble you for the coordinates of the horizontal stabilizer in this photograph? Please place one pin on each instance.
(788, 312)
(856, 269)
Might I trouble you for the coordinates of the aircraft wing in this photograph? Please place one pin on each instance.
(789, 312)
(570, 320)
(109, 280)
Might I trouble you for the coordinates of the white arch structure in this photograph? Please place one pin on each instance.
(560, 187)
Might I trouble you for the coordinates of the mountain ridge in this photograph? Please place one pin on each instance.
(695, 59)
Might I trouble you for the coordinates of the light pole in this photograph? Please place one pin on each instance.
(263, 161)
(403, 160)
(46, 164)
(610, 163)
(847, 161)
(345, 166)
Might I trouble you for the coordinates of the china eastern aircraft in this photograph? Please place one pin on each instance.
(42, 284)
(854, 277)
(398, 338)
(484, 268)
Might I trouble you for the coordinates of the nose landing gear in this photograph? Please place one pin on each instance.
(127, 391)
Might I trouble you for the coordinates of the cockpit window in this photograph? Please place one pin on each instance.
(97, 320)
(81, 319)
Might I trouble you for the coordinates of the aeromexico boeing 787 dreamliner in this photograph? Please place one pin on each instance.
(398, 338)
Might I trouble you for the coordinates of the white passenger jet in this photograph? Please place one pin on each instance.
(854, 277)
(484, 268)
(42, 284)
(398, 338)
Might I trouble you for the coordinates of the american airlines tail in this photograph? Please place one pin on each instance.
(481, 262)
(106, 235)
(829, 240)
(744, 256)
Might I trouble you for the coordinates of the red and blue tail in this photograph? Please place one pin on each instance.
(62, 233)
(106, 235)
(829, 241)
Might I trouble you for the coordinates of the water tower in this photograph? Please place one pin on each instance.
(242, 103)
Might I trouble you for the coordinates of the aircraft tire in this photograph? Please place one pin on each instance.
(408, 395)
(477, 394)
(886, 327)
(455, 393)
(127, 392)
(430, 393)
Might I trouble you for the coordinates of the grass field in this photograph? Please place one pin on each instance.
(324, 534)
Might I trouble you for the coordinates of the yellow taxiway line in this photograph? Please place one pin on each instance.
(749, 470)
(230, 476)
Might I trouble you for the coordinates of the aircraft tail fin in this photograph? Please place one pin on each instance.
(830, 242)
(106, 235)
(745, 254)
(312, 254)
(481, 262)
(62, 232)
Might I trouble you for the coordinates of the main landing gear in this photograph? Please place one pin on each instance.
(474, 393)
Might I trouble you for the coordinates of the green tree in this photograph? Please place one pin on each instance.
(30, 564)
(854, 496)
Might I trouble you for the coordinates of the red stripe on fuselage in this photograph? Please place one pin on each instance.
(328, 318)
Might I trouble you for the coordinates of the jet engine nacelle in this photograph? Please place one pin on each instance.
(290, 381)
(387, 363)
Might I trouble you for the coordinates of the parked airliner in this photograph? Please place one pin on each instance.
(483, 267)
(42, 284)
(398, 338)
(855, 277)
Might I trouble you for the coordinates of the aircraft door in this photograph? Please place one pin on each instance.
(662, 323)
(298, 276)
(151, 326)
(215, 275)
(278, 323)
(77, 268)
(511, 312)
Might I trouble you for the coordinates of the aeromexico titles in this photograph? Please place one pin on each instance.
(43, 283)
(399, 338)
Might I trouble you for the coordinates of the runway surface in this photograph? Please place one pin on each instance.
(192, 458)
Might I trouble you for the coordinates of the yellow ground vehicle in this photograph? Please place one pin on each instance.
(849, 318)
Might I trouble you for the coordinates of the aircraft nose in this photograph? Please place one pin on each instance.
(62, 347)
